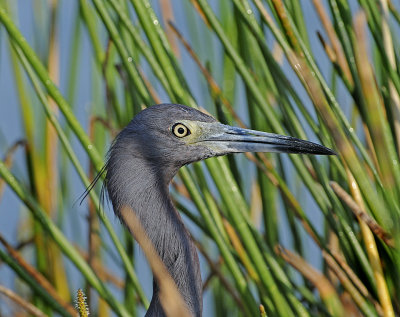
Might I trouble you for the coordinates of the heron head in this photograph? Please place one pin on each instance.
(175, 135)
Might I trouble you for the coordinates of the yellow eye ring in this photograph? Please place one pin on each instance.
(180, 130)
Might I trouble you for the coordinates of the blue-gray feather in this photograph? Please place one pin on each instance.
(141, 163)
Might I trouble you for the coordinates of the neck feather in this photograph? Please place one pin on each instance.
(145, 190)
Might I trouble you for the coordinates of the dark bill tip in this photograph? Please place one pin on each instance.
(297, 146)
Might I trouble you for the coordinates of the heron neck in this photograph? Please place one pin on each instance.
(163, 224)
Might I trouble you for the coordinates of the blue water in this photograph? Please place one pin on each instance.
(12, 211)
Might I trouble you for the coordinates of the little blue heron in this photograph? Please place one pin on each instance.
(144, 158)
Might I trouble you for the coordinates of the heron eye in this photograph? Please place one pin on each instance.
(180, 130)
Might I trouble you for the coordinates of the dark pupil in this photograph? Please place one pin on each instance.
(181, 130)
